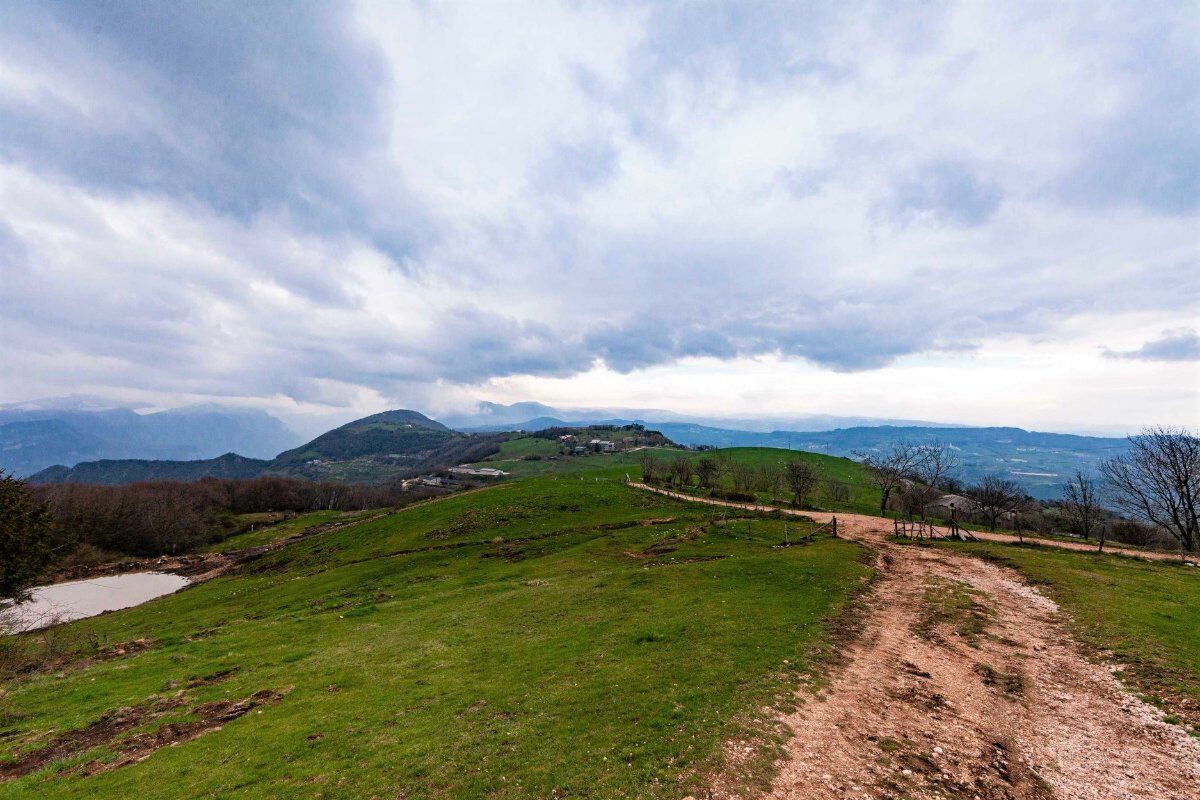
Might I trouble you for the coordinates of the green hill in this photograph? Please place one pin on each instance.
(562, 635)
(114, 472)
(385, 446)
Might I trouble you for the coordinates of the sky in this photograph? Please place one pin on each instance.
(984, 213)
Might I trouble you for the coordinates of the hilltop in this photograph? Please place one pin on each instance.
(114, 472)
(388, 445)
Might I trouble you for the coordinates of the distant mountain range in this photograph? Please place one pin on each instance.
(95, 446)
(32, 439)
(1038, 462)
(393, 444)
(497, 416)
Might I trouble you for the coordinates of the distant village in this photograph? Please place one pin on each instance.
(572, 442)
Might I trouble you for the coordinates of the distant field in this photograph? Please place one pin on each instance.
(1146, 613)
(527, 640)
(864, 498)
(512, 459)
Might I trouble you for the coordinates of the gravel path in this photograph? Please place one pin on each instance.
(965, 683)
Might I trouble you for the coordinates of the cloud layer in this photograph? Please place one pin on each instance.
(335, 205)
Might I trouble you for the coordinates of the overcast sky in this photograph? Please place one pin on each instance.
(980, 213)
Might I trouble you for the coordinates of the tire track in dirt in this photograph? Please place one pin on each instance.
(966, 683)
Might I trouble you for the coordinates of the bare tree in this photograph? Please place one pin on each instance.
(649, 466)
(682, 471)
(837, 491)
(742, 475)
(770, 478)
(1158, 482)
(890, 470)
(937, 464)
(1081, 505)
(802, 478)
(996, 498)
(707, 469)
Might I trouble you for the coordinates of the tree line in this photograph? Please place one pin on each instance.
(42, 525)
(797, 479)
(1149, 495)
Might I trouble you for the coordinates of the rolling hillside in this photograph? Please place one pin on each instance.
(116, 472)
(542, 638)
(389, 445)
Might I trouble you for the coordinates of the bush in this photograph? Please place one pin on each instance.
(733, 495)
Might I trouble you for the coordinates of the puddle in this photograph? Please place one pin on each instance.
(62, 602)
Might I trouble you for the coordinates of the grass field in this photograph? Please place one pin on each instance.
(1146, 614)
(531, 639)
(864, 498)
(275, 531)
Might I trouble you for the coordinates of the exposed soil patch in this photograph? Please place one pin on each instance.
(110, 725)
(995, 701)
(210, 717)
(110, 729)
(966, 683)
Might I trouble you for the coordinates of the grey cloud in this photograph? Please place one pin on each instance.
(949, 191)
(269, 127)
(1175, 345)
(250, 108)
(1147, 153)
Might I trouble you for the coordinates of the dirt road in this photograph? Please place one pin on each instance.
(965, 683)
(863, 519)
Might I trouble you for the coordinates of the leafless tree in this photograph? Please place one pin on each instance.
(742, 476)
(837, 491)
(996, 498)
(889, 471)
(707, 470)
(682, 471)
(649, 466)
(937, 463)
(802, 477)
(1158, 482)
(1081, 505)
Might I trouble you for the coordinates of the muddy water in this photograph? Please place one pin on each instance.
(61, 602)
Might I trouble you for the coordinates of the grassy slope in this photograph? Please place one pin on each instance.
(490, 670)
(864, 498)
(615, 465)
(1146, 613)
(273, 532)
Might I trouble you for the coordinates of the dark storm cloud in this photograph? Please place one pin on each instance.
(246, 108)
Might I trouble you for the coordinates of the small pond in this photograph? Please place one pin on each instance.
(62, 602)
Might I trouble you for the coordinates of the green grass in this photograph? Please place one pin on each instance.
(863, 496)
(1147, 614)
(275, 531)
(609, 465)
(530, 639)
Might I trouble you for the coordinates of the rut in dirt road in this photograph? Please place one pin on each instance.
(965, 684)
